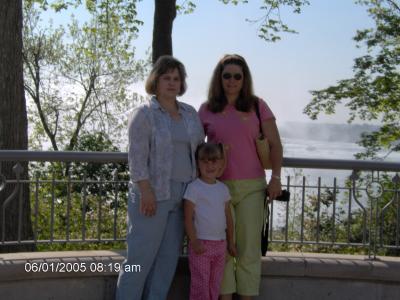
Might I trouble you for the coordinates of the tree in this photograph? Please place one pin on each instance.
(270, 23)
(78, 77)
(374, 91)
(164, 16)
(98, 59)
(15, 223)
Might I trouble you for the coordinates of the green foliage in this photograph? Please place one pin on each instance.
(186, 7)
(77, 75)
(68, 210)
(122, 12)
(374, 91)
(87, 203)
(270, 22)
(342, 219)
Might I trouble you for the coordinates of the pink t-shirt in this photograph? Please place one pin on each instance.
(237, 131)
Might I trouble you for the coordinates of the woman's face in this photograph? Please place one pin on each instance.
(169, 84)
(232, 79)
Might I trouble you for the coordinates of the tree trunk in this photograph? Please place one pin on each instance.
(13, 127)
(164, 15)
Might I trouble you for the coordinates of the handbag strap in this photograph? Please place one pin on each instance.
(257, 109)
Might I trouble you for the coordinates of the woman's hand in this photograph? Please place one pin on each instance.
(271, 132)
(232, 249)
(274, 188)
(148, 204)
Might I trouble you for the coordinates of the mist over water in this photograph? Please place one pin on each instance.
(323, 141)
(328, 141)
(307, 147)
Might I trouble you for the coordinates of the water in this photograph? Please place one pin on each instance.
(306, 148)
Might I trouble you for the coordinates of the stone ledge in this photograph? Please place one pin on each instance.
(12, 266)
(286, 276)
(274, 264)
(335, 266)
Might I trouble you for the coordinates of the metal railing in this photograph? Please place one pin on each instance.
(82, 197)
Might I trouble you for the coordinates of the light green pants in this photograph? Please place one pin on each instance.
(242, 274)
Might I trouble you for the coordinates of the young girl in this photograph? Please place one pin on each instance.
(208, 224)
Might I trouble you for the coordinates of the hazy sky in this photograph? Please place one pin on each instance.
(284, 72)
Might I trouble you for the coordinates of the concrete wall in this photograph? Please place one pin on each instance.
(284, 276)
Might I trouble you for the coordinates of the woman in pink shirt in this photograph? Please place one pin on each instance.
(229, 117)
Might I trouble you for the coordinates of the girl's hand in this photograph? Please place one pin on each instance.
(274, 188)
(148, 204)
(197, 247)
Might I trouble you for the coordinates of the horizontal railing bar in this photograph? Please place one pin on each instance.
(390, 247)
(63, 156)
(344, 244)
(56, 241)
(341, 164)
(32, 181)
(122, 157)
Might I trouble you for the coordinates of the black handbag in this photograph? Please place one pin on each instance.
(265, 229)
(285, 197)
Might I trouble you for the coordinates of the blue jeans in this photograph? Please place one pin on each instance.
(154, 244)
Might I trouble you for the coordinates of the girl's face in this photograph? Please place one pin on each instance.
(169, 84)
(209, 168)
(232, 79)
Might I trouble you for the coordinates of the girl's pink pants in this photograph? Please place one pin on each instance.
(206, 270)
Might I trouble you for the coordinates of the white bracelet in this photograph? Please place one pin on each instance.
(276, 177)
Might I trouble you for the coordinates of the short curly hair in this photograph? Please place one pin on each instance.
(165, 64)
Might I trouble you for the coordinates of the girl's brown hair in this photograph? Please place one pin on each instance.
(209, 151)
(217, 101)
(163, 65)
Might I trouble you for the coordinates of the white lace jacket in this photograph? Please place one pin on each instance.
(150, 144)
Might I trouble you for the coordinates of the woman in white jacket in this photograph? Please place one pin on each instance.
(163, 136)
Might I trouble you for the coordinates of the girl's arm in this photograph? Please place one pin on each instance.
(189, 227)
(229, 230)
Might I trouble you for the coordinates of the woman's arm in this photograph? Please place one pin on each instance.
(270, 131)
(229, 230)
(148, 204)
(224, 160)
(138, 154)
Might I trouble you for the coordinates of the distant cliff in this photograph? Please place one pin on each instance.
(325, 132)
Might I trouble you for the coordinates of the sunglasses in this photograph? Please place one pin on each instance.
(236, 76)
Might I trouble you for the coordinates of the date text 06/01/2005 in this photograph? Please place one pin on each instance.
(71, 267)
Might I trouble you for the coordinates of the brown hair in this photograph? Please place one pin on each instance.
(163, 65)
(217, 101)
(209, 150)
